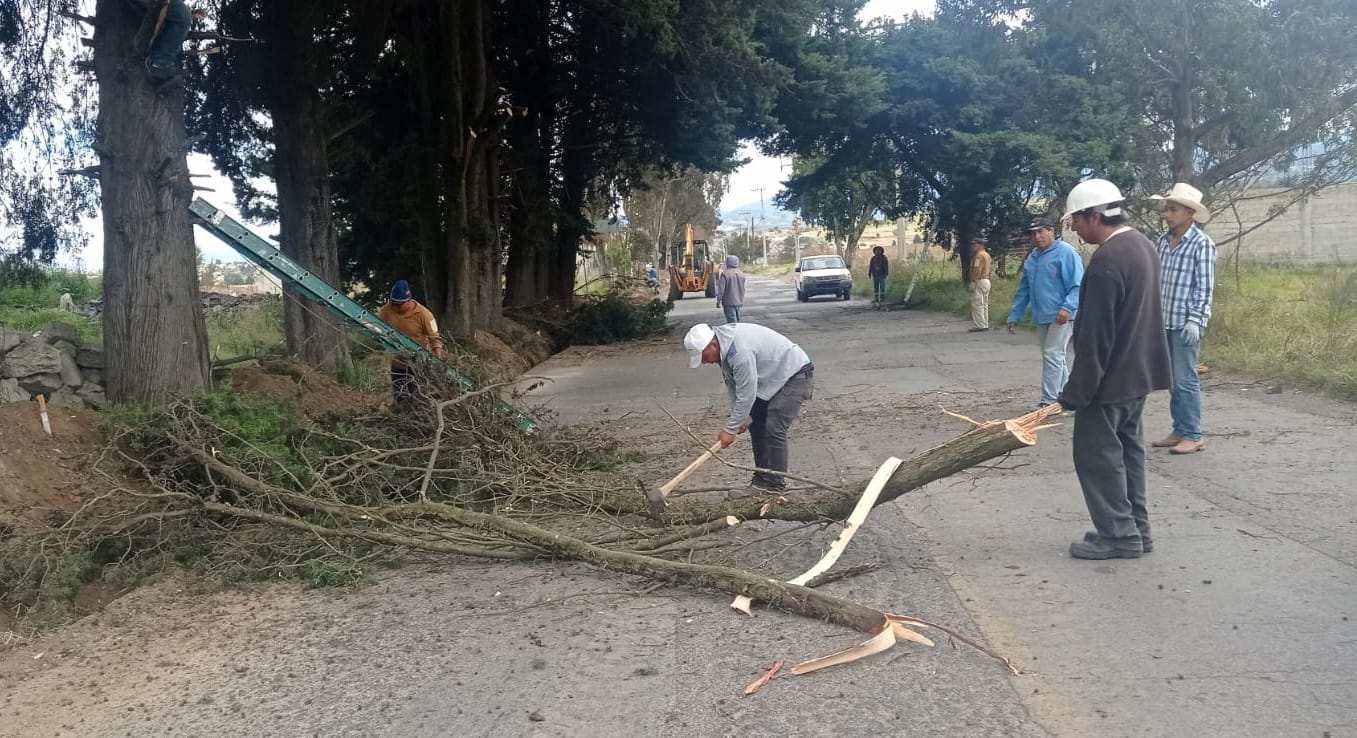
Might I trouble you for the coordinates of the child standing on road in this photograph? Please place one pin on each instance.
(878, 269)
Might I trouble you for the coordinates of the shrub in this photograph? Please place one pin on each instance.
(609, 318)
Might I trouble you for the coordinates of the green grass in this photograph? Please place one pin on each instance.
(769, 270)
(1295, 324)
(252, 331)
(29, 299)
(32, 321)
(1289, 324)
(42, 288)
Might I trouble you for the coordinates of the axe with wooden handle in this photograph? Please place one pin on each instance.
(656, 495)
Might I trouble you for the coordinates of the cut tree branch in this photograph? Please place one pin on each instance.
(976, 446)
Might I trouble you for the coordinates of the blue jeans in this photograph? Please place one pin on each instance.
(1185, 399)
(732, 313)
(1055, 342)
(878, 289)
(163, 58)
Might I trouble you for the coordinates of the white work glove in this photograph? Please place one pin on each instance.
(1192, 333)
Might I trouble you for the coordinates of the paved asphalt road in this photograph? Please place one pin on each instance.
(1243, 622)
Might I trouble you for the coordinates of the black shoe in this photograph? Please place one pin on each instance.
(1146, 543)
(977, 330)
(1099, 549)
(752, 491)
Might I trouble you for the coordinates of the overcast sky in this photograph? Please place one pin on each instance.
(768, 173)
(761, 171)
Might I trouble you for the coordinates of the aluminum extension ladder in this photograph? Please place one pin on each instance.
(262, 254)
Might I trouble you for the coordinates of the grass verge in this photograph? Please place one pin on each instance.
(1292, 324)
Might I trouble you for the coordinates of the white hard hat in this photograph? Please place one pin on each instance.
(1094, 193)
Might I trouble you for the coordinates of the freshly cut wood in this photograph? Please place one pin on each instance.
(855, 521)
(981, 443)
(767, 675)
(836, 549)
(906, 634)
(876, 644)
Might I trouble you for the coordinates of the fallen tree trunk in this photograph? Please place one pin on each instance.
(980, 444)
(791, 597)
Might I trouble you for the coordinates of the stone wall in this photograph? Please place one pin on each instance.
(54, 363)
(1321, 229)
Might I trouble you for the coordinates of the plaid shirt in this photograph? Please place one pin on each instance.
(1187, 278)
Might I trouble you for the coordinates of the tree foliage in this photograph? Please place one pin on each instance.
(1227, 90)
(664, 202)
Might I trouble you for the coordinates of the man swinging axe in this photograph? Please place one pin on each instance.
(767, 379)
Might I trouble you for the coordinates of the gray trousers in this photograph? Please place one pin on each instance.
(1109, 457)
(769, 423)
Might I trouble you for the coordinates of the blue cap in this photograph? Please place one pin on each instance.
(400, 291)
(732, 261)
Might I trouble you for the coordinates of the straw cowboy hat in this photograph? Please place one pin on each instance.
(1189, 197)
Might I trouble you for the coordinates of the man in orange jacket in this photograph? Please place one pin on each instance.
(406, 315)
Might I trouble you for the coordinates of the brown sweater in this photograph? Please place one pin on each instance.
(980, 265)
(1120, 352)
(418, 324)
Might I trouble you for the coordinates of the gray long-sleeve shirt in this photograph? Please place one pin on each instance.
(730, 288)
(755, 363)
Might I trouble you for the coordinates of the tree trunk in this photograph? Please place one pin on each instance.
(860, 224)
(303, 178)
(531, 245)
(154, 334)
(571, 223)
(458, 128)
(980, 444)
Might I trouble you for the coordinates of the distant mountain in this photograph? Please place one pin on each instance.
(774, 217)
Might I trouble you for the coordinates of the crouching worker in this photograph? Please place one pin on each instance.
(767, 378)
(406, 315)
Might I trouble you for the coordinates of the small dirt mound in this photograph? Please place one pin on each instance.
(41, 474)
(314, 394)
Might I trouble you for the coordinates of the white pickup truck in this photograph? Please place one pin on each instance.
(822, 275)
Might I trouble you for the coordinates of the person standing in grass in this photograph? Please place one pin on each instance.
(979, 286)
(406, 315)
(1187, 258)
(730, 289)
(878, 269)
(1050, 286)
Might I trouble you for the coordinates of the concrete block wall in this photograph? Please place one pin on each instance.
(1321, 229)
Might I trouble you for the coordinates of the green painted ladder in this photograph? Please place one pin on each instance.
(261, 253)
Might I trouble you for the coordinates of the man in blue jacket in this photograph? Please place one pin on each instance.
(1050, 286)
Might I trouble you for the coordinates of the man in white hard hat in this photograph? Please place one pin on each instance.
(1120, 356)
(1187, 275)
(767, 378)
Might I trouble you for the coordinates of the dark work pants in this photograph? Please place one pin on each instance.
(403, 384)
(163, 59)
(1109, 457)
(769, 422)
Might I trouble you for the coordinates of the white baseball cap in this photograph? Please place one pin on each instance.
(698, 338)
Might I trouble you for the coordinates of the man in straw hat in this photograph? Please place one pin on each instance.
(1187, 259)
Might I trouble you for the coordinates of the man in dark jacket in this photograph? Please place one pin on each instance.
(1120, 356)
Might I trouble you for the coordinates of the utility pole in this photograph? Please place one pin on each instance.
(740, 215)
(762, 220)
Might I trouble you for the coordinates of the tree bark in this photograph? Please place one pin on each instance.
(302, 174)
(976, 446)
(531, 245)
(458, 128)
(154, 335)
